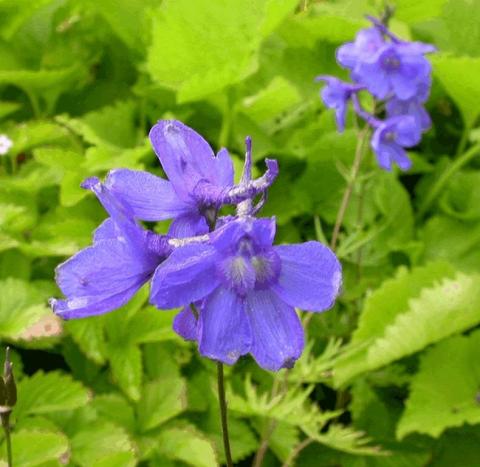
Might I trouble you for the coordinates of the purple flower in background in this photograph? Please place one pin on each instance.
(104, 276)
(391, 137)
(364, 48)
(246, 290)
(396, 68)
(199, 182)
(413, 107)
(335, 95)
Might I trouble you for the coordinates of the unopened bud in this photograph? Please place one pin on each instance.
(9, 381)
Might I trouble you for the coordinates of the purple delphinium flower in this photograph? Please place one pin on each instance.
(247, 289)
(396, 68)
(335, 95)
(389, 139)
(366, 44)
(104, 276)
(413, 107)
(199, 182)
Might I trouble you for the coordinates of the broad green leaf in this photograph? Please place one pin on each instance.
(463, 40)
(49, 392)
(57, 157)
(460, 76)
(151, 325)
(196, 60)
(462, 197)
(277, 97)
(32, 448)
(161, 400)
(21, 306)
(102, 444)
(445, 309)
(187, 445)
(452, 240)
(412, 11)
(454, 366)
(126, 367)
(116, 409)
(89, 335)
(381, 309)
(6, 108)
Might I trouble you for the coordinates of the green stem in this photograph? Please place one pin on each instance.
(8, 441)
(360, 149)
(223, 414)
(445, 177)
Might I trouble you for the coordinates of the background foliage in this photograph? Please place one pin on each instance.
(391, 376)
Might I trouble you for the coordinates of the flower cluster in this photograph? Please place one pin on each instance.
(398, 76)
(236, 290)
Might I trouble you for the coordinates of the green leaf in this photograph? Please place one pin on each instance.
(89, 335)
(277, 97)
(440, 311)
(412, 11)
(49, 392)
(151, 325)
(21, 306)
(463, 40)
(160, 401)
(430, 410)
(460, 78)
(187, 445)
(462, 198)
(452, 240)
(381, 309)
(198, 61)
(126, 366)
(35, 447)
(102, 444)
(116, 409)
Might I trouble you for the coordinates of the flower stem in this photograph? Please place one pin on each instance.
(8, 441)
(349, 188)
(223, 414)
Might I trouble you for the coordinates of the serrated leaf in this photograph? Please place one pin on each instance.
(199, 61)
(35, 447)
(126, 367)
(160, 401)
(381, 309)
(444, 392)
(100, 444)
(346, 439)
(277, 97)
(89, 335)
(49, 392)
(21, 306)
(187, 445)
(438, 312)
(116, 409)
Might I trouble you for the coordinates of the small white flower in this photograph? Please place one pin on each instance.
(5, 144)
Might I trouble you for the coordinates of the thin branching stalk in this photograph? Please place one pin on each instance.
(294, 454)
(359, 151)
(8, 440)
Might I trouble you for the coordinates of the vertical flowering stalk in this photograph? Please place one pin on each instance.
(397, 76)
(8, 399)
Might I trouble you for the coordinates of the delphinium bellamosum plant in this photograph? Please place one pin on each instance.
(236, 290)
(397, 76)
(394, 76)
